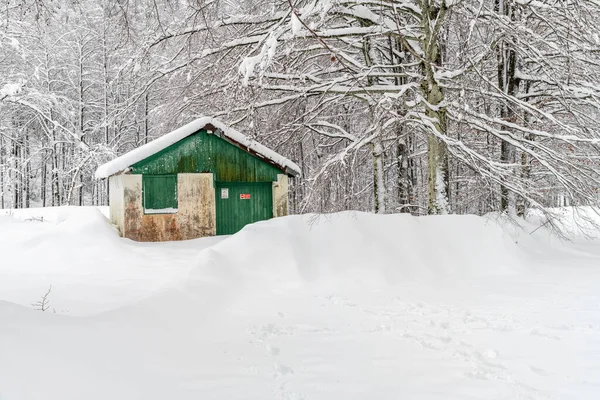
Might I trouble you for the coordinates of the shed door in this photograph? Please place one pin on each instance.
(242, 203)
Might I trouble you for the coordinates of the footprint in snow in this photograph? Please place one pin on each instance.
(273, 350)
(491, 354)
(536, 332)
(538, 371)
(280, 370)
(289, 395)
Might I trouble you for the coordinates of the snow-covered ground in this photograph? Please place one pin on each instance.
(348, 306)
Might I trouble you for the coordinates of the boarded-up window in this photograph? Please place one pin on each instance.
(159, 194)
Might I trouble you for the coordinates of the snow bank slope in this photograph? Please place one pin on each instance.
(350, 306)
(392, 247)
(91, 269)
(77, 252)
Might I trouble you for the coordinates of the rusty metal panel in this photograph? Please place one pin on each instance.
(116, 201)
(132, 193)
(196, 215)
(280, 196)
(159, 228)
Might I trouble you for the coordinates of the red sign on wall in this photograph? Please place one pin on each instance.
(245, 196)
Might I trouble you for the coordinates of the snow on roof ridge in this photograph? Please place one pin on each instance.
(123, 162)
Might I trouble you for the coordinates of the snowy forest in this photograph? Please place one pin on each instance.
(420, 106)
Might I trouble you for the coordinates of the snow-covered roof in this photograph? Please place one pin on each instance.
(123, 162)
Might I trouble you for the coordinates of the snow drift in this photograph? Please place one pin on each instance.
(80, 254)
(391, 248)
(348, 306)
(77, 252)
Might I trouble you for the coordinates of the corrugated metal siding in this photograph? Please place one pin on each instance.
(202, 152)
(159, 191)
(234, 213)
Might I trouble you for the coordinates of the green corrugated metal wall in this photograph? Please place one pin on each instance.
(235, 212)
(202, 152)
(159, 191)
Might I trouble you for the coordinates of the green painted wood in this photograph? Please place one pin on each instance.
(203, 152)
(233, 212)
(159, 192)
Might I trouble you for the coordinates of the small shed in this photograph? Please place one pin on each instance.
(203, 179)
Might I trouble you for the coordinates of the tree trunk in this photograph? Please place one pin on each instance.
(406, 175)
(80, 189)
(27, 172)
(146, 118)
(2, 168)
(55, 177)
(508, 83)
(525, 163)
(437, 153)
(405, 164)
(378, 177)
(106, 80)
(43, 173)
(16, 178)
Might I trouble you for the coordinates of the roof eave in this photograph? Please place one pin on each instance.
(214, 127)
(285, 169)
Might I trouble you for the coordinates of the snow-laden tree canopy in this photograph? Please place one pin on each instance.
(417, 106)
